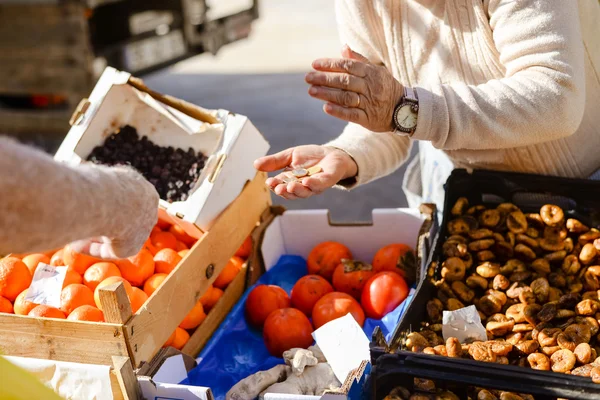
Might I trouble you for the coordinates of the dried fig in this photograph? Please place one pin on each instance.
(476, 281)
(584, 370)
(481, 352)
(500, 328)
(524, 252)
(539, 361)
(500, 282)
(462, 291)
(530, 312)
(453, 269)
(527, 347)
(520, 276)
(527, 241)
(576, 226)
(486, 255)
(548, 337)
(587, 307)
(548, 312)
(481, 233)
(501, 349)
(535, 220)
(460, 206)
(550, 350)
(532, 233)
(454, 249)
(490, 305)
(541, 289)
(415, 339)
(516, 222)
(479, 245)
(476, 210)
(589, 237)
(552, 215)
(563, 360)
(571, 265)
(453, 348)
(488, 270)
(588, 254)
(556, 257)
(552, 245)
(557, 279)
(583, 353)
(541, 266)
(490, 218)
(454, 304)
(434, 310)
(516, 312)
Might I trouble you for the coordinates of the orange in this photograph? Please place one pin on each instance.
(169, 340)
(14, 277)
(109, 281)
(18, 255)
(150, 247)
(156, 229)
(99, 272)
(46, 312)
(245, 248)
(71, 277)
(166, 260)
(138, 268)
(86, 313)
(154, 283)
(77, 261)
(163, 240)
(194, 317)
(6, 306)
(50, 253)
(183, 253)
(74, 296)
(181, 235)
(138, 298)
(57, 259)
(229, 272)
(180, 339)
(180, 246)
(21, 306)
(33, 260)
(211, 297)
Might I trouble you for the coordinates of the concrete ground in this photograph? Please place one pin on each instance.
(263, 77)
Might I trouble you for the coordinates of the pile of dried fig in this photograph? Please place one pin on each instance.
(534, 279)
(425, 389)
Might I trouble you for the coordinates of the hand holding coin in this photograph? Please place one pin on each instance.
(308, 170)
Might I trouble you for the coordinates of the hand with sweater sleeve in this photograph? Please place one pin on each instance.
(106, 212)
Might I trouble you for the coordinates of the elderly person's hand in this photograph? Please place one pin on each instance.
(356, 90)
(336, 165)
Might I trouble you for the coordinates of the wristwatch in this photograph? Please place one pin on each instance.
(406, 113)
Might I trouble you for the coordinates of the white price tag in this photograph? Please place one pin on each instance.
(46, 285)
(463, 324)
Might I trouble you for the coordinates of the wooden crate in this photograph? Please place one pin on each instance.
(140, 336)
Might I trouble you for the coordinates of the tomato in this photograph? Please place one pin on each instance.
(325, 256)
(245, 248)
(398, 258)
(383, 293)
(263, 300)
(286, 329)
(350, 277)
(335, 305)
(308, 290)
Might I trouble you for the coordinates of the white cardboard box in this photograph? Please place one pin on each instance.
(232, 144)
(296, 232)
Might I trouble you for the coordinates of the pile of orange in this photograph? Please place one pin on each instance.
(141, 275)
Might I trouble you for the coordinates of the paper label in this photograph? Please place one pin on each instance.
(46, 285)
(463, 324)
(344, 345)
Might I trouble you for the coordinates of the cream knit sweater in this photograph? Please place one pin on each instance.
(503, 84)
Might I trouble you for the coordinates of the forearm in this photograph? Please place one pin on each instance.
(375, 154)
(47, 205)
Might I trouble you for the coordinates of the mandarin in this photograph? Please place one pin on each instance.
(72, 277)
(194, 317)
(109, 281)
(22, 306)
(77, 261)
(181, 235)
(46, 312)
(183, 253)
(245, 248)
(137, 269)
(154, 283)
(162, 224)
(14, 277)
(33, 260)
(57, 259)
(180, 339)
(169, 340)
(166, 260)
(86, 313)
(6, 306)
(138, 298)
(180, 246)
(210, 298)
(99, 272)
(230, 271)
(150, 247)
(163, 240)
(75, 295)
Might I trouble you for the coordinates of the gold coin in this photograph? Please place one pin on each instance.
(300, 172)
(314, 170)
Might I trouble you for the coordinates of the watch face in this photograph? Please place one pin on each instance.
(406, 117)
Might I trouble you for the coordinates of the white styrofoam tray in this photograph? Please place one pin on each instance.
(235, 142)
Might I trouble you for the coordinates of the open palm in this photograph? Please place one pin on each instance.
(336, 165)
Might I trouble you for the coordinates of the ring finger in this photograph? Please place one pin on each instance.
(344, 98)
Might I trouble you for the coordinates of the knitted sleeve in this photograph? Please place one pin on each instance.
(46, 204)
(542, 96)
(376, 154)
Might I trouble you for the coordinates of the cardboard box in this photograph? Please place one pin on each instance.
(230, 141)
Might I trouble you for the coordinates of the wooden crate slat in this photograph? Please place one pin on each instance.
(127, 381)
(61, 340)
(204, 332)
(152, 325)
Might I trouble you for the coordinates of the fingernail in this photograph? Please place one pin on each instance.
(328, 107)
(312, 90)
(310, 76)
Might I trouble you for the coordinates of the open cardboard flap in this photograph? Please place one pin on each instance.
(232, 144)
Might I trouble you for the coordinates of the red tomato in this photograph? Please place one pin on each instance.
(350, 277)
(398, 258)
(286, 329)
(263, 300)
(325, 256)
(308, 290)
(335, 305)
(383, 293)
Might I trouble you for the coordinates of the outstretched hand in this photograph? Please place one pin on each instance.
(335, 164)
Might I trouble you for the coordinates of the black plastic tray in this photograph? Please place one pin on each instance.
(458, 375)
(578, 198)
